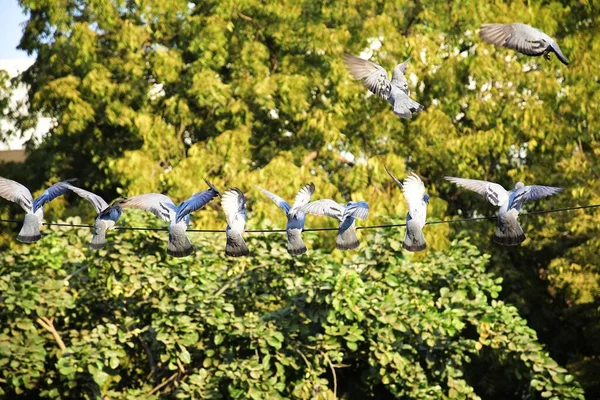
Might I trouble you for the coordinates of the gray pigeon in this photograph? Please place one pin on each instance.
(178, 216)
(17, 193)
(346, 215)
(106, 218)
(508, 231)
(377, 80)
(296, 219)
(522, 38)
(234, 206)
(417, 199)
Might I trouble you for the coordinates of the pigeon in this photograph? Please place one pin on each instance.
(178, 216)
(376, 79)
(106, 218)
(17, 193)
(234, 206)
(508, 231)
(295, 218)
(417, 199)
(346, 237)
(522, 38)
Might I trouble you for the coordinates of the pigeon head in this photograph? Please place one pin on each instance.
(519, 185)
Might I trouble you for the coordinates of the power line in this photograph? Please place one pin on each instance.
(445, 221)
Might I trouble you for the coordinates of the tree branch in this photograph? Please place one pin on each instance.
(49, 326)
(164, 383)
(334, 376)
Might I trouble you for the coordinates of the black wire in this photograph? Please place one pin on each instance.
(444, 221)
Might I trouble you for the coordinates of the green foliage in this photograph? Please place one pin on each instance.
(130, 322)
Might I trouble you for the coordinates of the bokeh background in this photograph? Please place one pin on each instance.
(154, 96)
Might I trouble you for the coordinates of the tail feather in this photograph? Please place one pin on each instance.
(236, 246)
(179, 245)
(414, 240)
(30, 231)
(295, 244)
(99, 238)
(346, 239)
(508, 231)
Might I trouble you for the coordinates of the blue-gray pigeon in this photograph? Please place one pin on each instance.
(377, 81)
(346, 238)
(417, 199)
(106, 217)
(522, 38)
(508, 231)
(34, 209)
(233, 202)
(178, 216)
(295, 218)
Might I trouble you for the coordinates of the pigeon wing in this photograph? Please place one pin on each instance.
(394, 178)
(281, 203)
(152, 202)
(532, 193)
(303, 196)
(414, 191)
(325, 207)
(493, 192)
(97, 201)
(195, 202)
(373, 75)
(17, 193)
(520, 37)
(58, 189)
(358, 209)
(233, 202)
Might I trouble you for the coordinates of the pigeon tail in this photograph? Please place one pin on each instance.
(30, 232)
(235, 247)
(508, 231)
(559, 54)
(295, 244)
(414, 240)
(99, 238)
(179, 245)
(346, 239)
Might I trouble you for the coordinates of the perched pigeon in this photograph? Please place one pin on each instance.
(417, 199)
(376, 79)
(346, 237)
(508, 231)
(106, 218)
(178, 216)
(522, 38)
(234, 206)
(295, 218)
(17, 193)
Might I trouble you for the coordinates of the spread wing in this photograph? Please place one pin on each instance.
(158, 204)
(520, 37)
(493, 192)
(97, 201)
(394, 178)
(414, 192)
(281, 203)
(17, 193)
(234, 205)
(532, 193)
(326, 207)
(195, 202)
(373, 75)
(358, 209)
(303, 196)
(58, 189)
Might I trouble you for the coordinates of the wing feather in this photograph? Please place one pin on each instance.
(195, 202)
(17, 193)
(493, 192)
(373, 75)
(281, 203)
(233, 202)
(97, 201)
(154, 203)
(324, 207)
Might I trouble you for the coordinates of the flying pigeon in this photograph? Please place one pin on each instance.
(106, 217)
(178, 216)
(508, 231)
(417, 199)
(17, 193)
(346, 237)
(234, 206)
(295, 218)
(522, 38)
(376, 79)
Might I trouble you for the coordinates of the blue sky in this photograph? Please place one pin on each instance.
(11, 30)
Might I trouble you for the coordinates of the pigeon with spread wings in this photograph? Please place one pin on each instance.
(417, 200)
(162, 206)
(522, 38)
(295, 218)
(34, 209)
(346, 215)
(234, 206)
(508, 231)
(376, 79)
